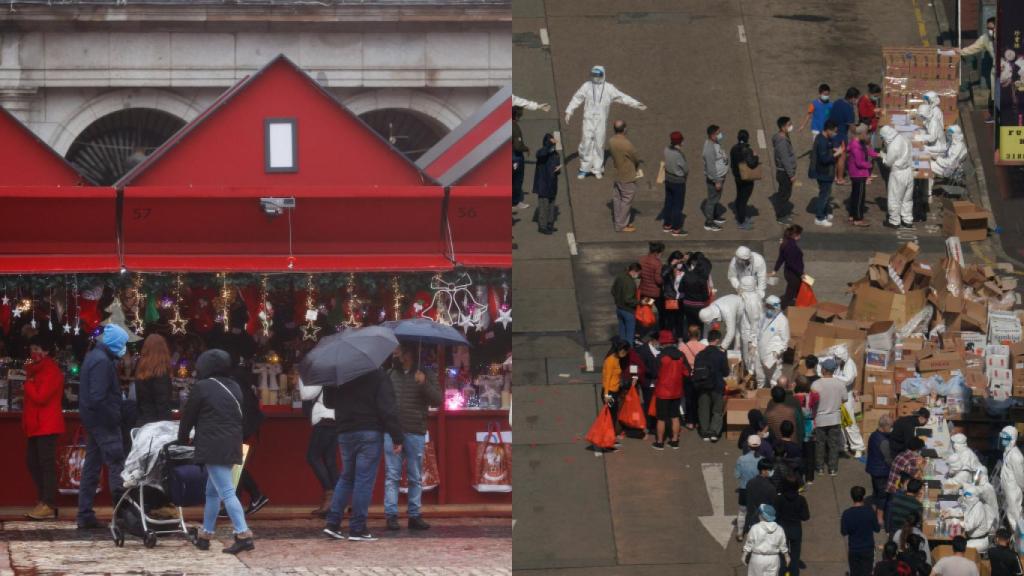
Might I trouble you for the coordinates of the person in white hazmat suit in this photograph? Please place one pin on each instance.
(977, 522)
(750, 322)
(947, 162)
(529, 104)
(966, 455)
(934, 126)
(596, 96)
(726, 311)
(772, 341)
(846, 372)
(765, 541)
(1011, 476)
(748, 263)
(900, 187)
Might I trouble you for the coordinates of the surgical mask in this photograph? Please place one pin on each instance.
(875, 99)
(37, 356)
(680, 267)
(789, 127)
(720, 137)
(991, 33)
(597, 79)
(825, 97)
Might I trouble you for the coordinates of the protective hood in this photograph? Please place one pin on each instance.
(597, 70)
(743, 253)
(924, 110)
(748, 284)
(709, 314)
(959, 441)
(1008, 438)
(767, 514)
(841, 352)
(888, 133)
(213, 363)
(956, 134)
(970, 496)
(773, 302)
(931, 97)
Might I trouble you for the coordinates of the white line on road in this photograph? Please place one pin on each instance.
(761, 142)
(572, 243)
(743, 34)
(544, 36)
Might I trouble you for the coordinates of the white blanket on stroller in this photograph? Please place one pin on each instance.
(143, 466)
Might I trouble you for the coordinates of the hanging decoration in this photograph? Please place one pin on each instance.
(49, 316)
(453, 303)
(30, 308)
(224, 302)
(78, 308)
(178, 324)
(396, 298)
(504, 307)
(310, 330)
(135, 298)
(117, 318)
(266, 310)
(353, 304)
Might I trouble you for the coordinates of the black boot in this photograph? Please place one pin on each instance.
(417, 523)
(393, 523)
(243, 543)
(201, 540)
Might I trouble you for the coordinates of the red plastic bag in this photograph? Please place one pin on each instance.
(631, 413)
(645, 316)
(652, 408)
(602, 432)
(805, 296)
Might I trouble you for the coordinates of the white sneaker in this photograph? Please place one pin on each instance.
(581, 174)
(522, 206)
(830, 217)
(824, 223)
(597, 175)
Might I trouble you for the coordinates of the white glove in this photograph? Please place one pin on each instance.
(642, 107)
(568, 118)
(545, 107)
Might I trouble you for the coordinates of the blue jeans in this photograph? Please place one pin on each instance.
(104, 446)
(412, 455)
(824, 199)
(360, 457)
(627, 324)
(219, 488)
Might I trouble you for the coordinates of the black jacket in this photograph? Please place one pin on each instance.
(902, 431)
(252, 415)
(366, 403)
(414, 399)
(717, 362)
(742, 152)
(99, 389)
(668, 284)
(214, 412)
(545, 177)
(760, 490)
(153, 396)
(790, 511)
(1004, 561)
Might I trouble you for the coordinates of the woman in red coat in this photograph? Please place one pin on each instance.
(43, 423)
(668, 390)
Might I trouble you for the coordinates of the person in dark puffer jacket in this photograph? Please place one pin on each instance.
(879, 463)
(214, 410)
(416, 392)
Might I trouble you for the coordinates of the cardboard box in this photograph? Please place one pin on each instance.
(870, 303)
(1003, 327)
(799, 318)
(828, 311)
(877, 359)
(882, 335)
(976, 381)
(903, 370)
(906, 406)
(941, 361)
(1017, 355)
(964, 220)
(973, 343)
(736, 410)
(1000, 377)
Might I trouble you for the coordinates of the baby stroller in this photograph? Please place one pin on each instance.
(158, 472)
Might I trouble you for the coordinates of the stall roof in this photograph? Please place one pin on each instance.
(228, 144)
(25, 160)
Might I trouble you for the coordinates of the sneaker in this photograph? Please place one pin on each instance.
(714, 438)
(363, 536)
(598, 175)
(417, 523)
(658, 445)
(784, 221)
(713, 227)
(666, 228)
(334, 531)
(42, 511)
(243, 543)
(706, 438)
(674, 444)
(825, 223)
(745, 226)
(830, 216)
(90, 524)
(888, 224)
(393, 523)
(858, 454)
(906, 226)
(808, 482)
(522, 206)
(990, 120)
(581, 174)
(257, 505)
(719, 221)
(628, 229)
(680, 233)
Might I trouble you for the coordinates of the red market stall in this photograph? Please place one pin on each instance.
(277, 191)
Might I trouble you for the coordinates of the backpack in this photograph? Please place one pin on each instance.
(702, 375)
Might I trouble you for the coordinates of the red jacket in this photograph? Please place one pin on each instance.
(650, 276)
(671, 372)
(44, 387)
(867, 111)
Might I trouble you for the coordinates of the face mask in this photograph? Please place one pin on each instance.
(1004, 440)
(37, 356)
(825, 97)
(721, 136)
(680, 267)
(991, 33)
(597, 79)
(875, 99)
(789, 128)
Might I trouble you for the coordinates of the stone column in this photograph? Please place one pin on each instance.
(18, 101)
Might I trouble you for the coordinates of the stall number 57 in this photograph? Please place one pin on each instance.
(140, 213)
(467, 212)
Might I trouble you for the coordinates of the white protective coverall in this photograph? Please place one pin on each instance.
(946, 162)
(748, 263)
(977, 522)
(897, 156)
(772, 341)
(526, 104)
(967, 456)
(934, 128)
(725, 310)
(750, 322)
(1011, 476)
(596, 96)
(847, 374)
(764, 543)
(987, 494)
(959, 471)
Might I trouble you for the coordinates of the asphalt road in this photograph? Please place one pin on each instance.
(735, 63)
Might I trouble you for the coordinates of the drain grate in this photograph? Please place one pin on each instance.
(802, 17)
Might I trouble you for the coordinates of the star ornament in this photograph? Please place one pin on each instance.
(310, 331)
(178, 323)
(67, 328)
(504, 316)
(5, 300)
(16, 312)
(137, 325)
(466, 322)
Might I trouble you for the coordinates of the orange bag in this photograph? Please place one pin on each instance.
(602, 432)
(430, 478)
(652, 409)
(631, 413)
(645, 316)
(491, 460)
(805, 296)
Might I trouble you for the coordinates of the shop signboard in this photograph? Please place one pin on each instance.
(1009, 92)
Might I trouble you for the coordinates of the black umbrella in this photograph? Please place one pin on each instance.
(343, 357)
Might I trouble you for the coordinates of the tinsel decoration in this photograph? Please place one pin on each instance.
(266, 313)
(178, 324)
(135, 298)
(49, 317)
(223, 302)
(397, 298)
(352, 304)
(78, 308)
(310, 330)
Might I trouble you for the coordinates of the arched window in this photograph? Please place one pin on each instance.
(114, 144)
(412, 132)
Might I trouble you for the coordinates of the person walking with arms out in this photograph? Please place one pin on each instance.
(716, 166)
(785, 169)
(859, 524)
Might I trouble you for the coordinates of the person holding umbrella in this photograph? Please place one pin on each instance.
(363, 399)
(415, 392)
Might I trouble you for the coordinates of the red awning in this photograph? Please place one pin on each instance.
(481, 226)
(225, 229)
(58, 229)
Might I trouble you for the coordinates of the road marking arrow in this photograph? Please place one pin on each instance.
(718, 524)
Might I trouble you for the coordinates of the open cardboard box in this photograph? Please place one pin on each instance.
(870, 303)
(964, 220)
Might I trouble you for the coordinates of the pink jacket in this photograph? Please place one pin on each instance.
(859, 165)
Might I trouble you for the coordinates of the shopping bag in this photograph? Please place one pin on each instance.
(645, 316)
(236, 470)
(661, 173)
(748, 174)
(805, 296)
(671, 304)
(70, 461)
(430, 478)
(845, 418)
(602, 431)
(652, 408)
(491, 460)
(631, 413)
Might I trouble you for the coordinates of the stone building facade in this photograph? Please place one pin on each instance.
(106, 81)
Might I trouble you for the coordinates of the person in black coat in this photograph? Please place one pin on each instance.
(741, 152)
(903, 430)
(791, 511)
(214, 411)
(545, 183)
(760, 490)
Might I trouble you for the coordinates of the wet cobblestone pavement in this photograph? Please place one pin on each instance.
(453, 547)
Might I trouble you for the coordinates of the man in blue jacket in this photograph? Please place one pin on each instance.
(823, 169)
(99, 404)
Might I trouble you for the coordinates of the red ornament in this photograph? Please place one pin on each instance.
(420, 302)
(200, 302)
(88, 314)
